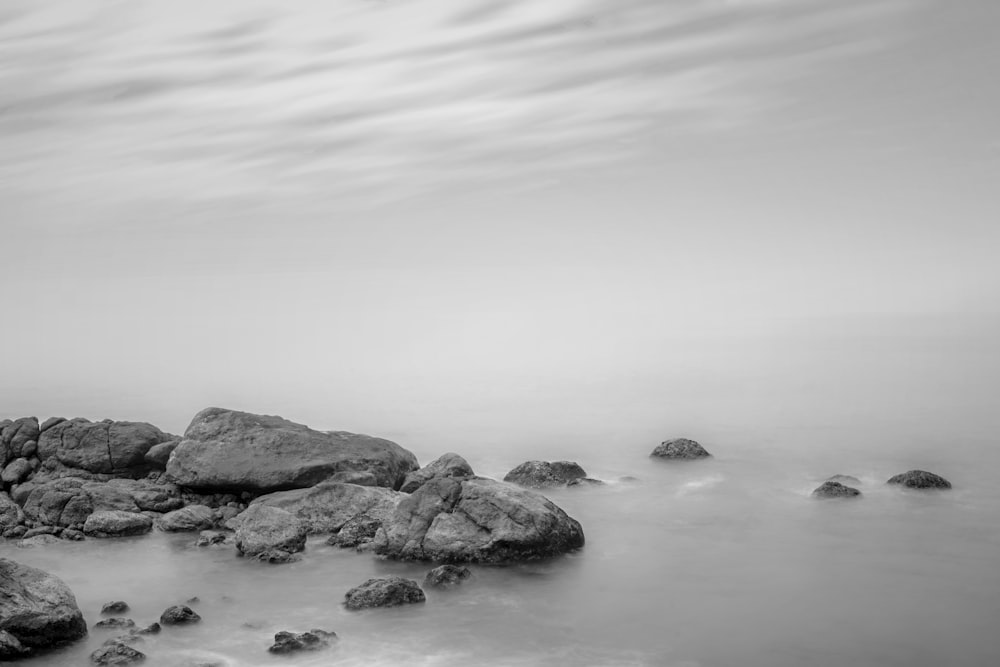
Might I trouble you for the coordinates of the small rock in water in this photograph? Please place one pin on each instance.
(208, 538)
(289, 642)
(72, 535)
(585, 481)
(193, 600)
(117, 653)
(179, 615)
(844, 479)
(920, 479)
(680, 449)
(542, 474)
(384, 592)
(835, 490)
(116, 607)
(447, 575)
(117, 622)
(131, 638)
(37, 541)
(151, 629)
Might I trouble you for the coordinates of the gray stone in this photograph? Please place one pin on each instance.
(116, 523)
(446, 465)
(384, 592)
(847, 480)
(179, 615)
(10, 514)
(16, 471)
(542, 474)
(117, 653)
(835, 490)
(158, 455)
(11, 648)
(268, 533)
(36, 607)
(190, 518)
(920, 479)
(680, 449)
(290, 642)
(326, 507)
(115, 607)
(102, 447)
(447, 575)
(15, 437)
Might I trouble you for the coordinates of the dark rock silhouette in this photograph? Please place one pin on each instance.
(290, 642)
(920, 479)
(680, 449)
(179, 615)
(447, 575)
(835, 490)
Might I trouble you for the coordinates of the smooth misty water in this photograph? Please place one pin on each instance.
(723, 562)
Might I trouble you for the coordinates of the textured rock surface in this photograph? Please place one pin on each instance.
(36, 607)
(226, 450)
(384, 592)
(100, 447)
(179, 615)
(16, 471)
(158, 455)
(18, 439)
(358, 531)
(290, 642)
(476, 520)
(192, 517)
(446, 465)
(835, 490)
(67, 501)
(10, 513)
(116, 523)
(262, 531)
(328, 506)
(920, 479)
(11, 647)
(447, 575)
(542, 474)
(116, 653)
(680, 448)
(115, 607)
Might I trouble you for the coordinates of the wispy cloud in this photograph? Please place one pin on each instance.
(198, 100)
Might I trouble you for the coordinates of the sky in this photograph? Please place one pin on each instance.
(375, 214)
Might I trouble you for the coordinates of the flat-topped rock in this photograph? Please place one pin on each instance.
(920, 479)
(37, 608)
(226, 450)
(680, 449)
(384, 592)
(543, 474)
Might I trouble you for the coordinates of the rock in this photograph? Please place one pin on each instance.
(151, 629)
(920, 479)
(384, 592)
(115, 623)
(835, 490)
(542, 474)
(10, 513)
(447, 575)
(10, 647)
(15, 532)
(269, 533)
(146, 494)
(208, 538)
(43, 530)
(844, 479)
(158, 455)
(72, 535)
(18, 438)
(115, 447)
(37, 608)
(359, 477)
(289, 642)
(132, 637)
(358, 531)
(446, 465)
(192, 517)
(476, 520)
(117, 653)
(37, 541)
(326, 507)
(585, 481)
(680, 448)
(115, 523)
(67, 501)
(16, 471)
(227, 450)
(116, 607)
(179, 615)
(50, 422)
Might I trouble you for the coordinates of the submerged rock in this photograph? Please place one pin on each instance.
(447, 575)
(226, 450)
(116, 523)
(116, 607)
(384, 592)
(290, 642)
(117, 622)
(446, 465)
(542, 474)
(37, 608)
(920, 479)
(680, 449)
(476, 520)
(269, 533)
(117, 653)
(326, 507)
(179, 615)
(835, 490)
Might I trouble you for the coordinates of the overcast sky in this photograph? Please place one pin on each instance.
(332, 210)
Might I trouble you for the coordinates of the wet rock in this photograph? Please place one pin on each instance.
(476, 520)
(158, 455)
(11, 648)
(313, 640)
(585, 481)
(151, 629)
(36, 607)
(226, 450)
(116, 623)
(208, 538)
(115, 607)
(326, 507)
(130, 638)
(835, 490)
(16, 471)
(446, 465)
(117, 653)
(179, 615)
(447, 575)
(680, 449)
(920, 479)
(384, 592)
(190, 518)
(847, 480)
(115, 523)
(269, 533)
(542, 474)
(358, 531)
(42, 530)
(114, 447)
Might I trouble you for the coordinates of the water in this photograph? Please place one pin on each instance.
(722, 562)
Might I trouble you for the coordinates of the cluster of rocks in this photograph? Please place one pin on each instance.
(843, 486)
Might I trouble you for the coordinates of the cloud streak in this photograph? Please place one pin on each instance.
(370, 100)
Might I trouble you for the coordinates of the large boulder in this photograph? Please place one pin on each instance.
(446, 465)
(542, 474)
(835, 490)
(37, 608)
(920, 479)
(476, 520)
(269, 533)
(112, 447)
(680, 449)
(384, 592)
(226, 450)
(68, 501)
(328, 506)
(192, 517)
(116, 523)
(18, 439)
